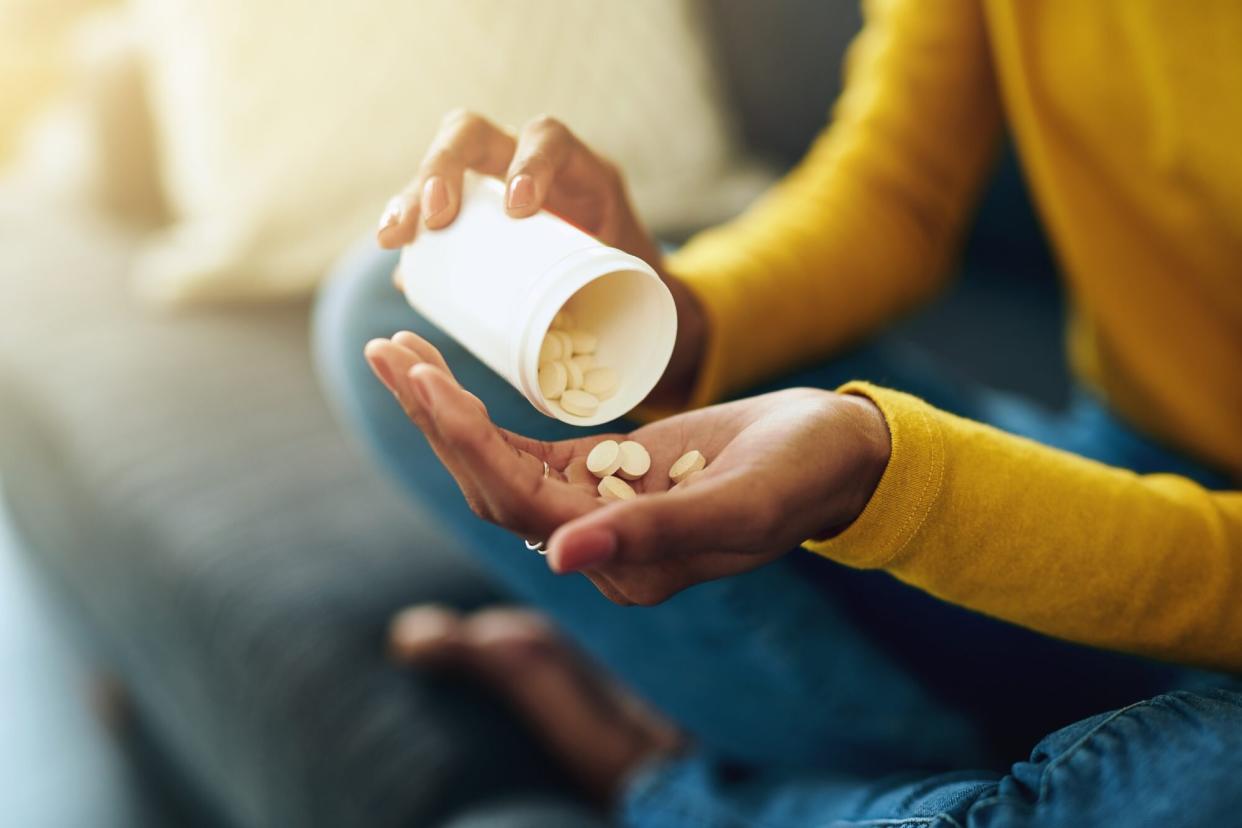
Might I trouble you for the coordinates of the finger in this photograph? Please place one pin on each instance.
(566, 456)
(714, 516)
(647, 584)
(423, 349)
(501, 483)
(466, 141)
(607, 587)
(512, 483)
(399, 212)
(576, 472)
(391, 362)
(386, 362)
(374, 353)
(426, 352)
(544, 147)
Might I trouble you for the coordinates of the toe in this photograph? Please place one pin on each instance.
(511, 628)
(573, 707)
(425, 634)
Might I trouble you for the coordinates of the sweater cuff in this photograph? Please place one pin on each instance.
(907, 490)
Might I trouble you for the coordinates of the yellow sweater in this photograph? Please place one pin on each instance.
(1128, 117)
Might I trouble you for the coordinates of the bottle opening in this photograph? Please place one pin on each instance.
(633, 319)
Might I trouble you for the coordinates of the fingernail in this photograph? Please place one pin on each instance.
(435, 197)
(392, 213)
(586, 549)
(521, 192)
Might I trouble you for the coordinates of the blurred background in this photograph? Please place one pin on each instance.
(176, 176)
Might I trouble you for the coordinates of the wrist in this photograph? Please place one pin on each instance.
(875, 450)
(683, 368)
(866, 436)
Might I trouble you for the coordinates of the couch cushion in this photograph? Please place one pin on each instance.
(781, 66)
(182, 481)
(284, 127)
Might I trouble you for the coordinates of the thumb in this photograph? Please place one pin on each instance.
(710, 517)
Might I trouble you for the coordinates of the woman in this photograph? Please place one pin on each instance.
(804, 692)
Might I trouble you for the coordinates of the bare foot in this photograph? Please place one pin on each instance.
(598, 731)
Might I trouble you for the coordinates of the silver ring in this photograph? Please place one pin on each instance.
(537, 546)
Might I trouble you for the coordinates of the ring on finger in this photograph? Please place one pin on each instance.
(537, 546)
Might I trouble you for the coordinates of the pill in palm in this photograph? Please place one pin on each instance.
(575, 374)
(635, 461)
(604, 459)
(614, 488)
(686, 465)
(579, 403)
(553, 378)
(583, 342)
(601, 381)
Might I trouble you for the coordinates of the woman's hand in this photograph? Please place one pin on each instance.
(545, 166)
(782, 467)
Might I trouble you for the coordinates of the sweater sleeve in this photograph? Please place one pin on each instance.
(865, 226)
(1147, 564)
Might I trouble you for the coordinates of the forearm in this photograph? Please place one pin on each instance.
(681, 375)
(866, 225)
(1051, 541)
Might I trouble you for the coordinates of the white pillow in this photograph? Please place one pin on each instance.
(283, 125)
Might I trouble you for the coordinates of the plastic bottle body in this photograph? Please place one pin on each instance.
(495, 283)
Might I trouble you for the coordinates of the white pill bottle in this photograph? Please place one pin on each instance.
(494, 284)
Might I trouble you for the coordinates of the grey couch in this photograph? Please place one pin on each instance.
(232, 558)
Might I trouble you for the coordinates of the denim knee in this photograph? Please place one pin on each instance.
(351, 306)
(1171, 760)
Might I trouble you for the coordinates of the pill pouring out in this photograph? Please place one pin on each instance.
(568, 373)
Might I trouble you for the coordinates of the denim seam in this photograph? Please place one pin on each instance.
(1045, 777)
(897, 823)
(997, 800)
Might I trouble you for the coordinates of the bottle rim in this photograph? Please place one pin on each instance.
(549, 294)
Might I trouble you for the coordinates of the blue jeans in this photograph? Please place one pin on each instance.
(816, 693)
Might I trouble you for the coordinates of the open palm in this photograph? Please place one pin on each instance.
(782, 467)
